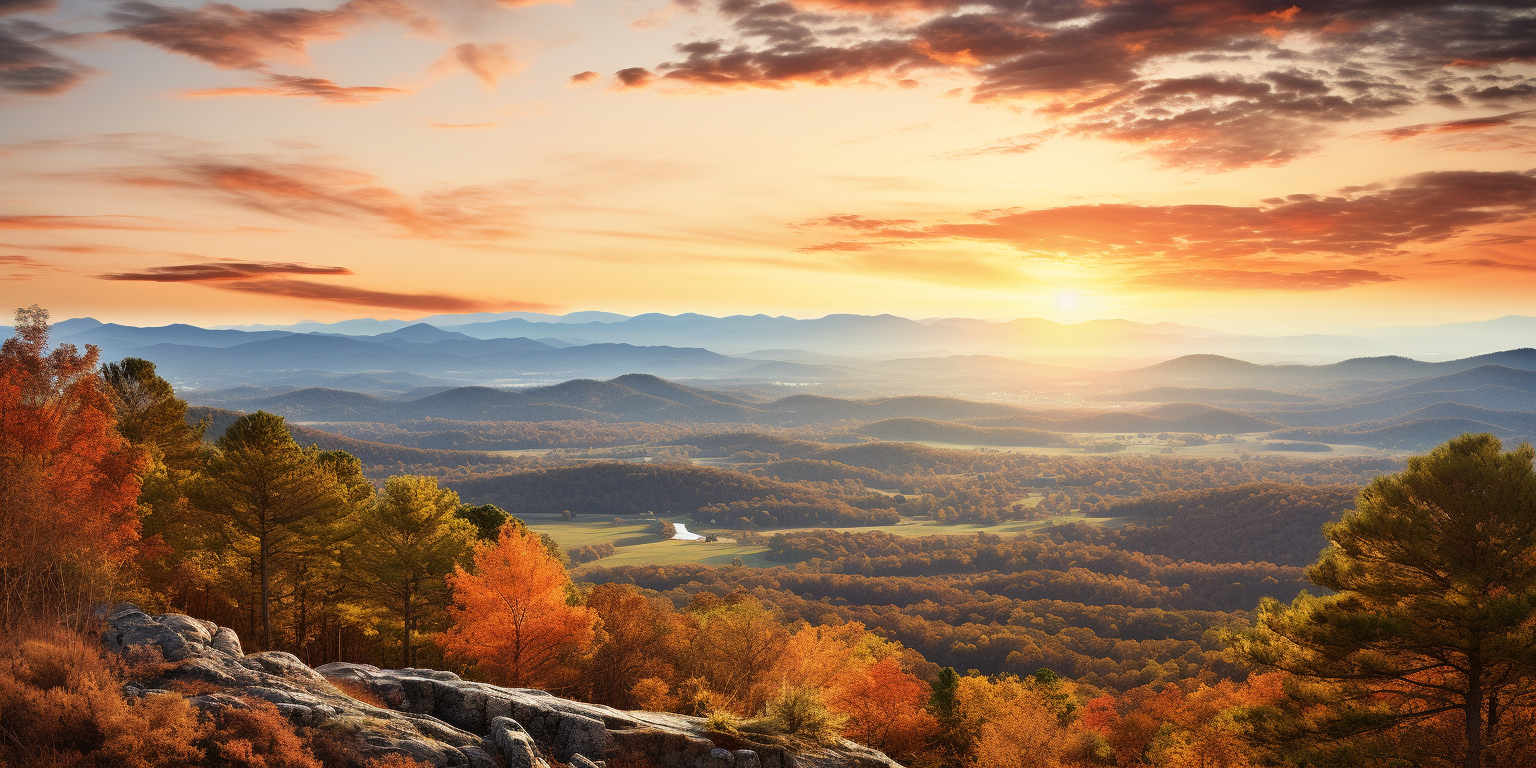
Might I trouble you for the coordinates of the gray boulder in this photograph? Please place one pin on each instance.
(438, 718)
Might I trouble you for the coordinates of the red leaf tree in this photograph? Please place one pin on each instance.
(69, 483)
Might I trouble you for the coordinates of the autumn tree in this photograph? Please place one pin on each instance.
(735, 649)
(1434, 611)
(511, 616)
(1008, 724)
(637, 640)
(271, 500)
(885, 708)
(68, 481)
(406, 545)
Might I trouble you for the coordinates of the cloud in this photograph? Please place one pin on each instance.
(229, 37)
(29, 68)
(222, 270)
(8, 7)
(1486, 264)
(583, 77)
(265, 278)
(18, 268)
(1510, 131)
(81, 222)
(488, 62)
(316, 191)
(634, 77)
(1102, 68)
(459, 126)
(1237, 279)
(341, 294)
(314, 87)
(1358, 222)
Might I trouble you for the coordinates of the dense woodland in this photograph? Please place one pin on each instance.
(1183, 638)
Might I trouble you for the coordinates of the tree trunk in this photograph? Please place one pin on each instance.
(1474, 710)
(406, 647)
(266, 600)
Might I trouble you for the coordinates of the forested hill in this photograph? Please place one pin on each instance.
(702, 493)
(1280, 523)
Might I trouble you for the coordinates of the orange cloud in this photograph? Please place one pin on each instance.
(1237, 279)
(1360, 222)
(81, 222)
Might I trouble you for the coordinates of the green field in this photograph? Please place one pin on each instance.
(636, 545)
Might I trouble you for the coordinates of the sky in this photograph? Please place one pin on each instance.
(1254, 166)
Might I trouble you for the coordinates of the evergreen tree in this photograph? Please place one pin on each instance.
(270, 499)
(1435, 607)
(150, 414)
(407, 543)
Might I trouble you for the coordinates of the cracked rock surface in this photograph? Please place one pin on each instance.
(440, 719)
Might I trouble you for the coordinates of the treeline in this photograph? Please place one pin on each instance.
(707, 494)
(960, 623)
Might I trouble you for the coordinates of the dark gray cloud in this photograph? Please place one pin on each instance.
(1095, 63)
(28, 67)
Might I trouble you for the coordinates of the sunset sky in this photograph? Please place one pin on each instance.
(1240, 164)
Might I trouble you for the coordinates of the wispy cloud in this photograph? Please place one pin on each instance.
(318, 191)
(1509, 131)
(343, 294)
(222, 270)
(488, 62)
(270, 279)
(311, 87)
(26, 66)
(1238, 279)
(82, 222)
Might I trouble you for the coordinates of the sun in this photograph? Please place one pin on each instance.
(1066, 301)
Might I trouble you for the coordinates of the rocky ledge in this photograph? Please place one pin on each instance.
(438, 718)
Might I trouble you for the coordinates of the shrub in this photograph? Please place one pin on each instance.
(61, 705)
(258, 737)
(798, 713)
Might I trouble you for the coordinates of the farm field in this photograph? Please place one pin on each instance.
(635, 544)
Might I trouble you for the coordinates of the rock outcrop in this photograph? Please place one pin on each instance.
(439, 719)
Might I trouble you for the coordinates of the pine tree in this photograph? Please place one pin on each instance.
(406, 544)
(270, 500)
(1435, 607)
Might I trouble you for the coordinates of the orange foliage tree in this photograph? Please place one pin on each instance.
(886, 710)
(510, 615)
(69, 483)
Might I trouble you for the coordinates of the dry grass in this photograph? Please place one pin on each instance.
(61, 706)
